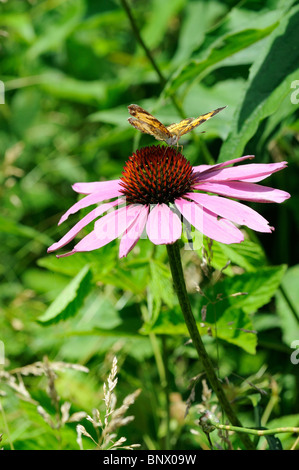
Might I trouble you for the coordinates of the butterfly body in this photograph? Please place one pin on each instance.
(148, 124)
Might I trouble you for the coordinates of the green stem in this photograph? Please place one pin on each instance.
(256, 432)
(158, 359)
(166, 393)
(180, 287)
(149, 55)
(6, 427)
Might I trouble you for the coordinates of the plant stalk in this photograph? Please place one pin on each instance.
(258, 432)
(175, 262)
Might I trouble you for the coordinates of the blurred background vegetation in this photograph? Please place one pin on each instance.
(70, 68)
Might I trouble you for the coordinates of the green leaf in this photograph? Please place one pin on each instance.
(70, 266)
(104, 267)
(287, 302)
(259, 286)
(227, 306)
(161, 289)
(269, 84)
(160, 15)
(70, 300)
(247, 255)
(63, 86)
(55, 33)
(12, 227)
(273, 442)
(21, 23)
(101, 262)
(198, 18)
(234, 327)
(224, 47)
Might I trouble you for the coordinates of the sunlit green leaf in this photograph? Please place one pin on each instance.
(69, 300)
(271, 76)
(226, 47)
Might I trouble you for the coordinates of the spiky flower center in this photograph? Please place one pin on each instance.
(156, 175)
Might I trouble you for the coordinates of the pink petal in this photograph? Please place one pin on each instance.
(71, 234)
(89, 200)
(88, 241)
(132, 235)
(253, 172)
(118, 222)
(163, 225)
(98, 186)
(232, 210)
(204, 168)
(208, 223)
(107, 229)
(244, 191)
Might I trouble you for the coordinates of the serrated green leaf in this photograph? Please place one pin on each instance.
(70, 299)
(234, 327)
(258, 288)
(269, 84)
(227, 307)
(225, 47)
(248, 255)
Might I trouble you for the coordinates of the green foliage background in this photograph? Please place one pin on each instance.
(70, 68)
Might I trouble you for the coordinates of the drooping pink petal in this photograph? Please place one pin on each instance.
(132, 234)
(93, 198)
(98, 186)
(71, 234)
(88, 243)
(208, 168)
(208, 223)
(163, 225)
(244, 191)
(119, 221)
(107, 229)
(232, 210)
(253, 172)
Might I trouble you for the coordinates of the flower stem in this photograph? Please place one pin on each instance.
(175, 262)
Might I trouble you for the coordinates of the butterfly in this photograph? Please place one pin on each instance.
(148, 124)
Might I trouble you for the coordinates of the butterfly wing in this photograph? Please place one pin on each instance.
(147, 129)
(175, 128)
(187, 125)
(148, 124)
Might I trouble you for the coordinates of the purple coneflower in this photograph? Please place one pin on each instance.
(159, 189)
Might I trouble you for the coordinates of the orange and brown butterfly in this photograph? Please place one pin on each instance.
(148, 124)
